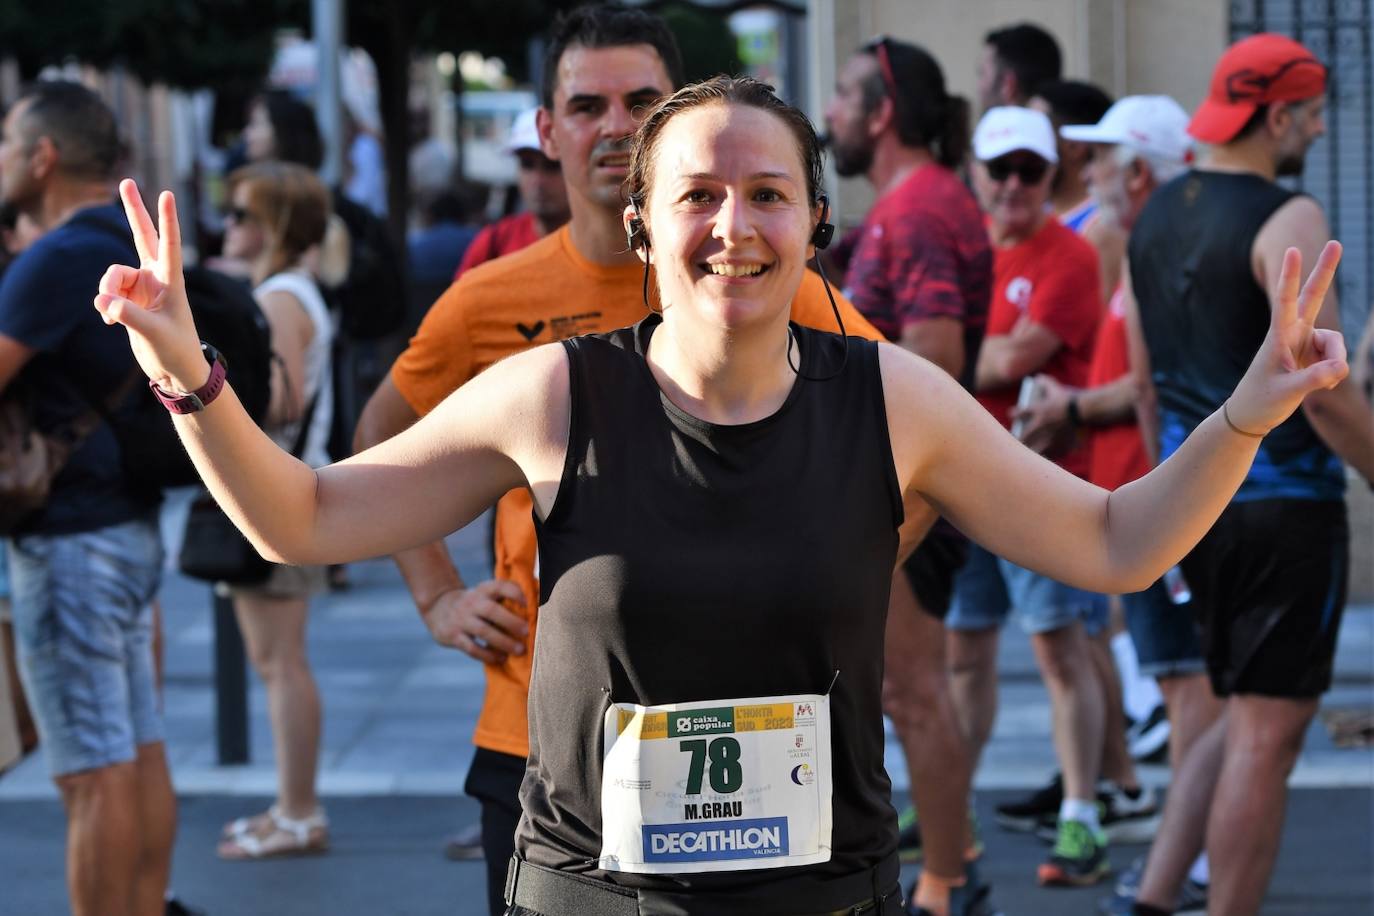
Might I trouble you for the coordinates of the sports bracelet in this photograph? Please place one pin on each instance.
(1226, 415)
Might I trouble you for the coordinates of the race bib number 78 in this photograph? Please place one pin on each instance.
(721, 785)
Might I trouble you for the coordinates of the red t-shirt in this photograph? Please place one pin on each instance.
(505, 236)
(1116, 453)
(1050, 278)
(922, 253)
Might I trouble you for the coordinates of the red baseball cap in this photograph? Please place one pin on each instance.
(1255, 71)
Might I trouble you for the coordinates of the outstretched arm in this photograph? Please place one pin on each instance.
(1026, 509)
(484, 440)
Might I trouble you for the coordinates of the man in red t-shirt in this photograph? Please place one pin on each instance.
(1140, 144)
(1044, 315)
(920, 270)
(542, 191)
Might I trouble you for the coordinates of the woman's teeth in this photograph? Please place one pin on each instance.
(735, 270)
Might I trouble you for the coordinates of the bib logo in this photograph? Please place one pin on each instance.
(1019, 292)
(716, 841)
(720, 721)
(803, 775)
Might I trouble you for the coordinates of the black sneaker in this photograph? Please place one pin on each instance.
(909, 836)
(1148, 739)
(1027, 814)
(1079, 858)
(1125, 818)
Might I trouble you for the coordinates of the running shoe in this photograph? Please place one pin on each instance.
(909, 836)
(1079, 857)
(1192, 901)
(974, 898)
(1125, 818)
(1028, 813)
(1148, 739)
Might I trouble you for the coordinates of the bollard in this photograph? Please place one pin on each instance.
(231, 682)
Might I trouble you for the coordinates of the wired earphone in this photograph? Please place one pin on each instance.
(637, 236)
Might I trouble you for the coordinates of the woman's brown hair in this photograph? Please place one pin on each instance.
(291, 204)
(725, 90)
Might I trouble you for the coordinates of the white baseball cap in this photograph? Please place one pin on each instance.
(524, 134)
(1154, 125)
(1009, 128)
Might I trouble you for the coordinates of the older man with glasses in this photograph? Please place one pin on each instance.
(1043, 318)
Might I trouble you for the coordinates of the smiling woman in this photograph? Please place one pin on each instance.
(717, 529)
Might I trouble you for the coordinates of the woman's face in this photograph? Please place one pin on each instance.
(244, 235)
(728, 214)
(259, 140)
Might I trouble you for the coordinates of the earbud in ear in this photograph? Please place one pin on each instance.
(824, 232)
(635, 236)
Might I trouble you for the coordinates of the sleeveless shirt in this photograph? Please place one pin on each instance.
(1204, 317)
(684, 560)
(318, 369)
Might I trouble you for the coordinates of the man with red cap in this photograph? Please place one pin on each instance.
(1268, 581)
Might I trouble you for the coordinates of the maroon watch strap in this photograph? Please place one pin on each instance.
(197, 400)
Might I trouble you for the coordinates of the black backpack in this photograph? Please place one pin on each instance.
(372, 298)
(227, 317)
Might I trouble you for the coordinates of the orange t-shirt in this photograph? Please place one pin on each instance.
(544, 293)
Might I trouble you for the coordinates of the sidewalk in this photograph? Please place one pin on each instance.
(399, 713)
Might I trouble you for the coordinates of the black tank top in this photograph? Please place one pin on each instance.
(687, 561)
(1204, 316)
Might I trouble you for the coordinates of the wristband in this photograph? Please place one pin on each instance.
(198, 400)
(1075, 418)
(1226, 415)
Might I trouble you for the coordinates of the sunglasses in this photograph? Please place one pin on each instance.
(1030, 169)
(1248, 84)
(879, 46)
(237, 215)
(534, 162)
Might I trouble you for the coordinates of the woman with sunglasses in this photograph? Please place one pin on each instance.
(722, 497)
(276, 223)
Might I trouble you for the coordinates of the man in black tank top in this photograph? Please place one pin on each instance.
(1268, 581)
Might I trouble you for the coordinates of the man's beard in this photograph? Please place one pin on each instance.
(1291, 164)
(850, 159)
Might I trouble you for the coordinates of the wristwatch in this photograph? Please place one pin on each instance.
(1075, 418)
(198, 400)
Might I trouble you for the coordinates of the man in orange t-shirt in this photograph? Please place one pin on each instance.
(605, 66)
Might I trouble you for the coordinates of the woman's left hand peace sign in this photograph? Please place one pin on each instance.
(150, 300)
(1296, 357)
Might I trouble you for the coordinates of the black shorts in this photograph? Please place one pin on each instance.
(931, 567)
(494, 780)
(1269, 584)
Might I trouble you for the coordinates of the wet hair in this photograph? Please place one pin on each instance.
(1074, 101)
(295, 132)
(1029, 52)
(79, 124)
(290, 202)
(725, 90)
(927, 116)
(608, 25)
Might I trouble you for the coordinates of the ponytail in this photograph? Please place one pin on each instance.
(952, 144)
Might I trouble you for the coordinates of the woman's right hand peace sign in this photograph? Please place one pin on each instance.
(150, 300)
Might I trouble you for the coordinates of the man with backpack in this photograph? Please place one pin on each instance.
(86, 563)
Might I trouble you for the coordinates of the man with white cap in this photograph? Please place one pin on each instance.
(1140, 144)
(1268, 581)
(542, 192)
(1044, 313)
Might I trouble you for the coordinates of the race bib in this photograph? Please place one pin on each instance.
(722, 785)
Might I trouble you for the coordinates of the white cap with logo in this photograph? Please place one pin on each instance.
(1153, 125)
(1008, 128)
(524, 134)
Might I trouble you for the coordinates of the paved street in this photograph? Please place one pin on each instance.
(398, 714)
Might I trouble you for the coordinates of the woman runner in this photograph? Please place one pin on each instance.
(721, 500)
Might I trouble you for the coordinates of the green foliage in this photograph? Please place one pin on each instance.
(708, 46)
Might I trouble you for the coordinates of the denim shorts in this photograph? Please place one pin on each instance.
(1167, 639)
(84, 630)
(988, 587)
